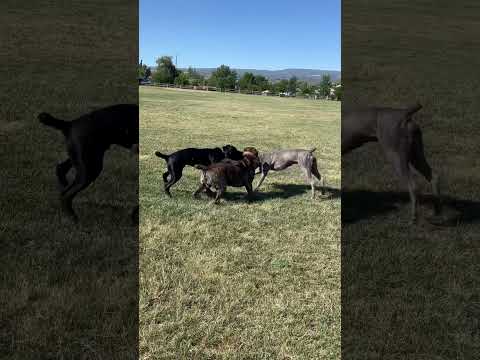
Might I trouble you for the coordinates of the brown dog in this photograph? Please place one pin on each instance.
(235, 173)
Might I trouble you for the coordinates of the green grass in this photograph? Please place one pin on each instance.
(238, 280)
(412, 292)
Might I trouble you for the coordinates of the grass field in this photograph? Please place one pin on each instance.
(238, 280)
(412, 292)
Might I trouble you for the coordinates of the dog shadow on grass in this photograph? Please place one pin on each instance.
(284, 191)
(364, 204)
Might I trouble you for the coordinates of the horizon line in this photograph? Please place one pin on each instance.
(250, 68)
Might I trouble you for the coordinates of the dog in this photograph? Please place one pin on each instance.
(231, 152)
(87, 139)
(235, 173)
(177, 161)
(282, 159)
(401, 140)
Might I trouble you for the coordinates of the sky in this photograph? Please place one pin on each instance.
(261, 34)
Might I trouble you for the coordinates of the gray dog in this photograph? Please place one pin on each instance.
(400, 139)
(282, 159)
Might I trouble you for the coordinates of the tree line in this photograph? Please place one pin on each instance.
(225, 78)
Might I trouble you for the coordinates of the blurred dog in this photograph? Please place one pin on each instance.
(401, 140)
(235, 173)
(87, 139)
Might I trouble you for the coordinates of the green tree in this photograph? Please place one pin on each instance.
(325, 85)
(223, 77)
(182, 79)
(194, 77)
(305, 88)
(292, 85)
(281, 86)
(166, 70)
(261, 83)
(148, 72)
(247, 81)
(141, 70)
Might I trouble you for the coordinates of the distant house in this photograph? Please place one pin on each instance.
(287, 94)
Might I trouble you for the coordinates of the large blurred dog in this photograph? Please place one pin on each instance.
(87, 139)
(401, 140)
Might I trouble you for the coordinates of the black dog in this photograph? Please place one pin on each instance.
(87, 139)
(231, 152)
(193, 156)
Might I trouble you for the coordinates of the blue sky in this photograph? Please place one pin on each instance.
(262, 34)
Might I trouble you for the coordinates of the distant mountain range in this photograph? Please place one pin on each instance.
(309, 75)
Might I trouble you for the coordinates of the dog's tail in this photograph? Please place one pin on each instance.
(413, 109)
(312, 151)
(163, 156)
(49, 120)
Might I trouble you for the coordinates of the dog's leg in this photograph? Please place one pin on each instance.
(249, 188)
(265, 169)
(419, 163)
(220, 193)
(413, 198)
(308, 174)
(165, 176)
(61, 171)
(400, 164)
(210, 193)
(436, 192)
(175, 175)
(261, 181)
(320, 178)
(84, 176)
(199, 190)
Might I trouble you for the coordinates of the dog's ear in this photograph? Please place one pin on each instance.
(251, 159)
(252, 150)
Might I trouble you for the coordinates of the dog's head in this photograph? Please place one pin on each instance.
(216, 155)
(250, 150)
(128, 135)
(231, 152)
(250, 154)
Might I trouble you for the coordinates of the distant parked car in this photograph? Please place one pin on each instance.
(145, 82)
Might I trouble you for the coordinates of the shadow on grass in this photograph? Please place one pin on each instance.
(364, 204)
(396, 282)
(90, 211)
(285, 191)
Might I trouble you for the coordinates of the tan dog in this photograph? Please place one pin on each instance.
(235, 173)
